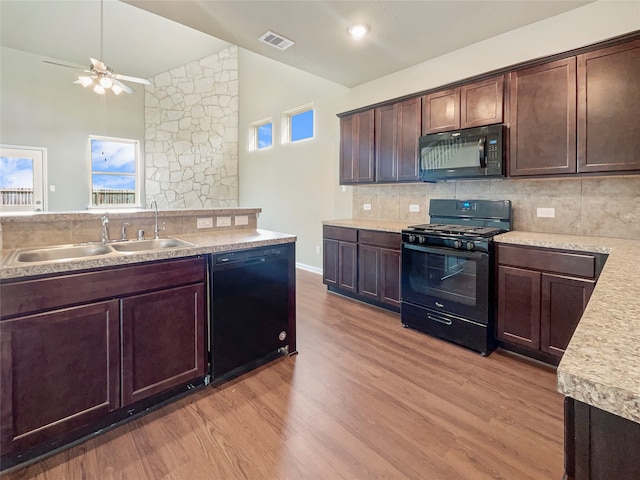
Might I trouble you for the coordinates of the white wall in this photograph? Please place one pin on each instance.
(41, 107)
(297, 185)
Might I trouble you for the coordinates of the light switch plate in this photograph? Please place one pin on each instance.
(223, 221)
(241, 220)
(414, 208)
(204, 223)
(366, 206)
(546, 212)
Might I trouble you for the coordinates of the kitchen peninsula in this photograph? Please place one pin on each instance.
(91, 342)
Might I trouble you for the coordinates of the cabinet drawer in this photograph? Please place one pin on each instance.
(380, 239)
(340, 233)
(568, 263)
(36, 295)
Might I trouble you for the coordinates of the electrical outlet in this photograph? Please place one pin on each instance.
(317, 249)
(344, 188)
(241, 220)
(546, 212)
(414, 208)
(204, 223)
(223, 221)
(52, 188)
(366, 206)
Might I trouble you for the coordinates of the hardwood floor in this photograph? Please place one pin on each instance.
(365, 398)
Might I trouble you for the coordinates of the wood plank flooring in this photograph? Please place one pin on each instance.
(364, 399)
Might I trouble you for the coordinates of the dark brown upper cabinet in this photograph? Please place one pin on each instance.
(356, 148)
(473, 105)
(609, 109)
(543, 119)
(397, 129)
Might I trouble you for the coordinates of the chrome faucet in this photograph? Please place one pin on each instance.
(123, 233)
(104, 230)
(156, 228)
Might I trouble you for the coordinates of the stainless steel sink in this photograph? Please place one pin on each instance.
(66, 252)
(132, 246)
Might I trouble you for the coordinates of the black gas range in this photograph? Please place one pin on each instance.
(447, 274)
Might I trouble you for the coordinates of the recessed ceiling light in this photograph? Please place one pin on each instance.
(358, 31)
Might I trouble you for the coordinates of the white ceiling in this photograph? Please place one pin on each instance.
(139, 43)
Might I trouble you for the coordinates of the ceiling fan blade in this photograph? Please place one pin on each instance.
(124, 87)
(64, 65)
(98, 65)
(132, 79)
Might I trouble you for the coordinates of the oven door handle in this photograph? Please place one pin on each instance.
(445, 321)
(445, 251)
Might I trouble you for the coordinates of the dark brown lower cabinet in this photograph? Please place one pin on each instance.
(363, 264)
(163, 341)
(60, 370)
(78, 348)
(542, 294)
(599, 445)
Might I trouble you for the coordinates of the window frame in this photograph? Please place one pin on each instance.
(287, 127)
(254, 127)
(138, 175)
(40, 191)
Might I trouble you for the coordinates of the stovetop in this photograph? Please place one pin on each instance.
(461, 230)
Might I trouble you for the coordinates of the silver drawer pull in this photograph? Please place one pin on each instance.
(445, 321)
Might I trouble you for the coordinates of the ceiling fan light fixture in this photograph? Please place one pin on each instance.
(99, 89)
(358, 31)
(116, 89)
(85, 81)
(106, 82)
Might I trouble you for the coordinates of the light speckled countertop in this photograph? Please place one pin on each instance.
(382, 225)
(601, 366)
(203, 243)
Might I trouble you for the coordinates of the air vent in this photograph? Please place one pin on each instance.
(276, 40)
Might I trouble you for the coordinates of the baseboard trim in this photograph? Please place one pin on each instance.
(309, 268)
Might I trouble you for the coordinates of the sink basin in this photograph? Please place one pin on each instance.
(146, 245)
(49, 254)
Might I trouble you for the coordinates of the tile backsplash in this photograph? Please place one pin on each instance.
(599, 206)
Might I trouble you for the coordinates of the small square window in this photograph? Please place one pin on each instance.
(265, 135)
(297, 124)
(302, 125)
(261, 135)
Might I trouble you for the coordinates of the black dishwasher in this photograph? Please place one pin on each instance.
(250, 305)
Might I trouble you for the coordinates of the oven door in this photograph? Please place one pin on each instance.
(447, 280)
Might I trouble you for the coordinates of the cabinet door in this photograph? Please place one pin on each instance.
(543, 125)
(60, 371)
(481, 103)
(330, 262)
(409, 121)
(442, 111)
(347, 265)
(390, 276)
(369, 269)
(563, 302)
(163, 341)
(519, 306)
(386, 151)
(609, 109)
(356, 148)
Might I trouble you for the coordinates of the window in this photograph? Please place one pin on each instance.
(261, 135)
(22, 179)
(297, 124)
(115, 172)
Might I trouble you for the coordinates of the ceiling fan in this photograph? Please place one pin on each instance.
(103, 78)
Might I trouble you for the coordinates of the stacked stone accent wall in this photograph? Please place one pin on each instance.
(191, 134)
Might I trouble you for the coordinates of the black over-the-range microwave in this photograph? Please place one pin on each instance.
(468, 153)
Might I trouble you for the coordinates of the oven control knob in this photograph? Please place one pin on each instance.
(457, 243)
(412, 238)
(421, 239)
(469, 246)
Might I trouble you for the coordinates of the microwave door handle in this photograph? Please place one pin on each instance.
(481, 152)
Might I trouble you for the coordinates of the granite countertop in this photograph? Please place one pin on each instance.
(204, 243)
(382, 225)
(601, 366)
